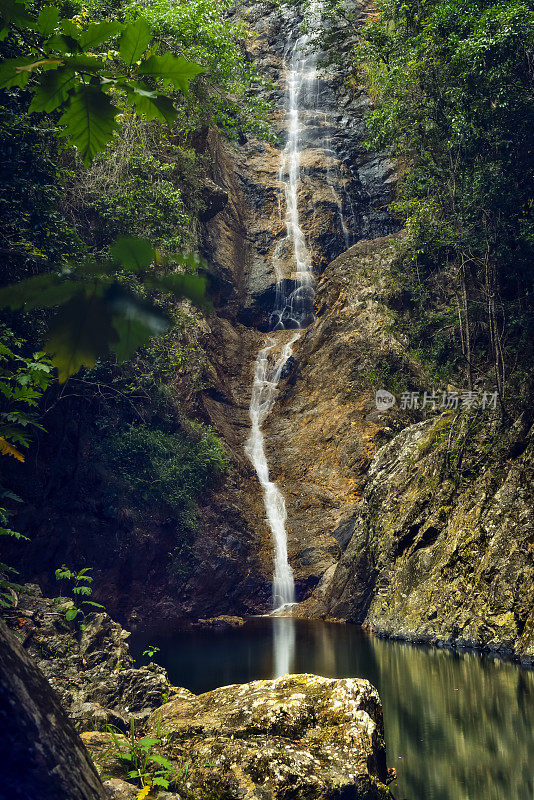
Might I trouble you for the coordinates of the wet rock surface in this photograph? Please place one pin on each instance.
(325, 428)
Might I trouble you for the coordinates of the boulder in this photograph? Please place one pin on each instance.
(299, 736)
(44, 757)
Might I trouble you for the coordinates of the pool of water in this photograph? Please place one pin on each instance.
(459, 726)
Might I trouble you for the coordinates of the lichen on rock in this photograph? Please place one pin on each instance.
(299, 736)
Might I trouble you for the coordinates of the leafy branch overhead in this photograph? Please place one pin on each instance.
(66, 75)
(97, 313)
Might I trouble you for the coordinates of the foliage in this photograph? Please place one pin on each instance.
(143, 198)
(22, 382)
(98, 313)
(212, 35)
(452, 82)
(66, 74)
(80, 588)
(7, 586)
(151, 650)
(169, 469)
(144, 764)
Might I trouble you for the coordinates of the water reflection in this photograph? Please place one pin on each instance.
(283, 646)
(458, 726)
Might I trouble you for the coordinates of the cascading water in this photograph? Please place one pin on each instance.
(293, 310)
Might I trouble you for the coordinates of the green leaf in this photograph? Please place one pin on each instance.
(175, 70)
(163, 762)
(148, 741)
(132, 334)
(92, 603)
(61, 44)
(180, 285)
(134, 41)
(14, 11)
(152, 106)
(159, 781)
(99, 32)
(11, 76)
(89, 121)
(53, 90)
(84, 63)
(47, 21)
(71, 614)
(133, 252)
(40, 291)
(80, 333)
(70, 28)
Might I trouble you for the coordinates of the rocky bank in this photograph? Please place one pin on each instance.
(300, 735)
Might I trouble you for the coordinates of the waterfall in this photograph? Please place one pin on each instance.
(293, 310)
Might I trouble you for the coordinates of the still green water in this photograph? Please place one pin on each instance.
(458, 726)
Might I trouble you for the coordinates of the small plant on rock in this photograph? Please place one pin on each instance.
(150, 769)
(80, 588)
(151, 650)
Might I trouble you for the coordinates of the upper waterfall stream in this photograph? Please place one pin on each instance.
(293, 309)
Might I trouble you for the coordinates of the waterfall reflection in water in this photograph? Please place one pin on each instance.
(458, 726)
(284, 635)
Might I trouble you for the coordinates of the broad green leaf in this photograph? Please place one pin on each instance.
(41, 291)
(133, 252)
(84, 63)
(53, 90)
(70, 28)
(14, 11)
(176, 70)
(47, 21)
(180, 285)
(61, 44)
(152, 106)
(134, 41)
(89, 121)
(10, 74)
(132, 334)
(71, 614)
(80, 333)
(99, 32)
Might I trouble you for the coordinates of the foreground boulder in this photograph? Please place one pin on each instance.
(44, 758)
(300, 736)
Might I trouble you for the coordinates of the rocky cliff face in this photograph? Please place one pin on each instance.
(442, 549)
(343, 193)
(417, 525)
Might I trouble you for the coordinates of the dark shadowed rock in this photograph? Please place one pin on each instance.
(43, 756)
